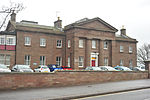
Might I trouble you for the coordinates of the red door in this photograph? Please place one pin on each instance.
(93, 62)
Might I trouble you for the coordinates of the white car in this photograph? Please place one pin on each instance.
(93, 68)
(122, 68)
(42, 69)
(138, 69)
(4, 68)
(21, 68)
(107, 68)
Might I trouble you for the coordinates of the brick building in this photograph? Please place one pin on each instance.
(87, 42)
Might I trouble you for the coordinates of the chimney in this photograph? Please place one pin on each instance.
(58, 23)
(13, 17)
(123, 31)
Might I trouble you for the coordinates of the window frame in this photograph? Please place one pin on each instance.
(130, 49)
(42, 60)
(2, 40)
(106, 61)
(94, 44)
(121, 62)
(105, 44)
(81, 43)
(59, 43)
(69, 43)
(27, 40)
(59, 60)
(81, 61)
(69, 61)
(42, 42)
(2, 60)
(121, 48)
(27, 59)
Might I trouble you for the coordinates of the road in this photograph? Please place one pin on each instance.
(143, 94)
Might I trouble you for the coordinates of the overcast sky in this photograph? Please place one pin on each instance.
(133, 14)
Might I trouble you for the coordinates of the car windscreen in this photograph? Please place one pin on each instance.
(23, 67)
(3, 66)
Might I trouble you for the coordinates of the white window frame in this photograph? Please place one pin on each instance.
(59, 61)
(81, 61)
(42, 42)
(59, 43)
(27, 40)
(130, 49)
(121, 62)
(105, 61)
(105, 44)
(2, 59)
(2, 40)
(10, 41)
(130, 63)
(94, 44)
(27, 59)
(80, 43)
(121, 48)
(69, 43)
(42, 60)
(68, 61)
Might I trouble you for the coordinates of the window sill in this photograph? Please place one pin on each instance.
(27, 45)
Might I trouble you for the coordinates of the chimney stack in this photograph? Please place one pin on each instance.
(58, 23)
(13, 17)
(123, 31)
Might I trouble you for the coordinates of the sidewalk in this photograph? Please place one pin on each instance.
(74, 91)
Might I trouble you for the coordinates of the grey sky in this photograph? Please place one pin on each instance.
(134, 14)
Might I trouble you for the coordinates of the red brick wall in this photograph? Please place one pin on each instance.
(64, 78)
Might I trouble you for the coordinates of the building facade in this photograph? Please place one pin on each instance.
(87, 42)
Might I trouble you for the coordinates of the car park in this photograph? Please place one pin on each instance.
(107, 68)
(42, 68)
(54, 67)
(4, 68)
(93, 68)
(66, 68)
(21, 68)
(122, 68)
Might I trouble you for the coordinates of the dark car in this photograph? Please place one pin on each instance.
(54, 67)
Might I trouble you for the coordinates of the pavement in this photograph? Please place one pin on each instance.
(73, 92)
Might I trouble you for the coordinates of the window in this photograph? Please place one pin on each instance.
(93, 43)
(80, 43)
(2, 40)
(42, 60)
(59, 43)
(105, 45)
(59, 61)
(69, 44)
(130, 63)
(10, 41)
(7, 60)
(68, 61)
(27, 41)
(121, 62)
(2, 59)
(27, 60)
(105, 61)
(130, 49)
(81, 61)
(121, 48)
(42, 42)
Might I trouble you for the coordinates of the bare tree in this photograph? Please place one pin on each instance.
(142, 54)
(6, 11)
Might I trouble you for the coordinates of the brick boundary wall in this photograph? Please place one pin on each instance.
(64, 78)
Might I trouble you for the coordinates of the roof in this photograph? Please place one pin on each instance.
(124, 38)
(86, 20)
(35, 27)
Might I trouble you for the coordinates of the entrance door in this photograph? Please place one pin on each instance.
(94, 59)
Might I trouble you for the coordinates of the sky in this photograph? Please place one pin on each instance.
(133, 14)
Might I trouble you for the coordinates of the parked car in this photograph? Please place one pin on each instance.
(93, 68)
(54, 67)
(21, 68)
(137, 69)
(42, 68)
(122, 68)
(66, 68)
(107, 68)
(4, 68)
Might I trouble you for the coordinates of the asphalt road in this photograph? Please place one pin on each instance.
(143, 94)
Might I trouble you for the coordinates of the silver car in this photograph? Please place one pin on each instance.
(93, 68)
(4, 68)
(22, 68)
